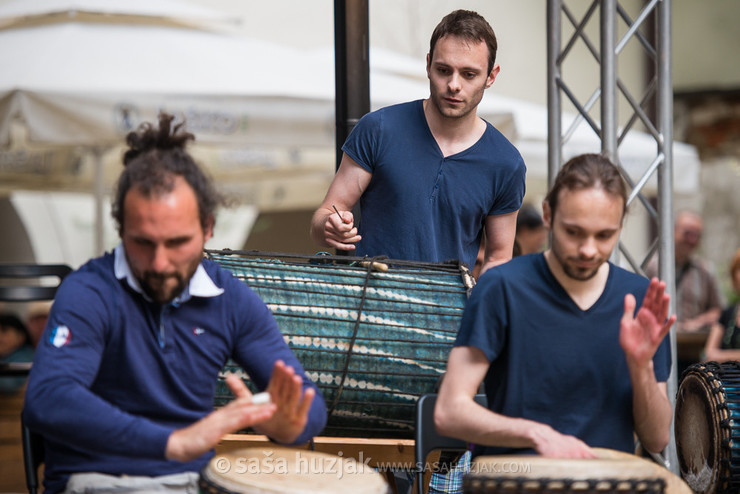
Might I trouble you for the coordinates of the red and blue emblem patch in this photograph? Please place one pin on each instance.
(60, 336)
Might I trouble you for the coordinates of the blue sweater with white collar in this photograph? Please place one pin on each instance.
(116, 374)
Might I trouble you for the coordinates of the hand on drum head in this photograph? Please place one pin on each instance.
(641, 335)
(191, 442)
(553, 444)
(292, 404)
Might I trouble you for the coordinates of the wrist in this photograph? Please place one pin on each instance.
(536, 434)
(173, 450)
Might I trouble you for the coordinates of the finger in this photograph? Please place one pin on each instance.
(667, 326)
(287, 386)
(659, 300)
(341, 245)
(237, 386)
(629, 308)
(281, 378)
(664, 307)
(305, 404)
(252, 415)
(236, 415)
(347, 217)
(340, 225)
(293, 396)
(649, 300)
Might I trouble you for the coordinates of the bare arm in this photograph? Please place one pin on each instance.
(713, 348)
(640, 337)
(283, 419)
(327, 229)
(500, 234)
(458, 415)
(704, 319)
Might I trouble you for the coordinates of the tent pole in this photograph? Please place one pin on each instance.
(99, 194)
(352, 66)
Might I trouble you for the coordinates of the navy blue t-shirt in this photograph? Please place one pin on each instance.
(421, 205)
(552, 362)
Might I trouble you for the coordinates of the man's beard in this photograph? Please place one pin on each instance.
(580, 274)
(155, 286)
(448, 112)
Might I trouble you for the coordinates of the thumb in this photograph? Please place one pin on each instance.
(237, 386)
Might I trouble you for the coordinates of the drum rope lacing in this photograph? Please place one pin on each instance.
(474, 485)
(717, 378)
(355, 329)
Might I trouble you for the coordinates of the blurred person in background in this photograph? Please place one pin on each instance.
(723, 343)
(15, 346)
(699, 300)
(36, 317)
(531, 234)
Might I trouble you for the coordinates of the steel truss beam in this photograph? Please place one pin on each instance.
(660, 127)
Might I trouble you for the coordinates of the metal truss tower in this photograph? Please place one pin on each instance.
(659, 126)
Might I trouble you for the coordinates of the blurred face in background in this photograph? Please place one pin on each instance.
(10, 339)
(532, 239)
(687, 235)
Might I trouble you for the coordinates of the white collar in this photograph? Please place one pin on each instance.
(200, 285)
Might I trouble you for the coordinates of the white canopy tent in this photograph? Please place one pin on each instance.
(73, 85)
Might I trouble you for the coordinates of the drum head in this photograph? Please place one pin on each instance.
(276, 470)
(613, 471)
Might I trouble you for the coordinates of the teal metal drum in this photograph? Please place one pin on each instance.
(374, 335)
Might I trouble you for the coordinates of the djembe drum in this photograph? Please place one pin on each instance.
(284, 470)
(372, 336)
(613, 472)
(707, 427)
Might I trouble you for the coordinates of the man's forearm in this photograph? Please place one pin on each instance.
(651, 409)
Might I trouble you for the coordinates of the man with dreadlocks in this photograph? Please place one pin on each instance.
(123, 386)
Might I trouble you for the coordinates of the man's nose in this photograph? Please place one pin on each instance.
(588, 248)
(454, 83)
(160, 260)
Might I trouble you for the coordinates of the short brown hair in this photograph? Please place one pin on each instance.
(471, 27)
(588, 171)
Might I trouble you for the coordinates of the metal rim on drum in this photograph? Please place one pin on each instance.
(706, 427)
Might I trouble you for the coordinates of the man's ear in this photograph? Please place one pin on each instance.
(208, 229)
(546, 215)
(492, 76)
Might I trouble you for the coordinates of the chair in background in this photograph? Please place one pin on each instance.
(427, 439)
(29, 283)
(19, 282)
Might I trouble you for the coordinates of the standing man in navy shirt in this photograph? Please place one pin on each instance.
(430, 175)
(571, 348)
(123, 384)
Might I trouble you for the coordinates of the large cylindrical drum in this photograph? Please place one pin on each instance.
(277, 470)
(707, 427)
(613, 472)
(373, 336)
